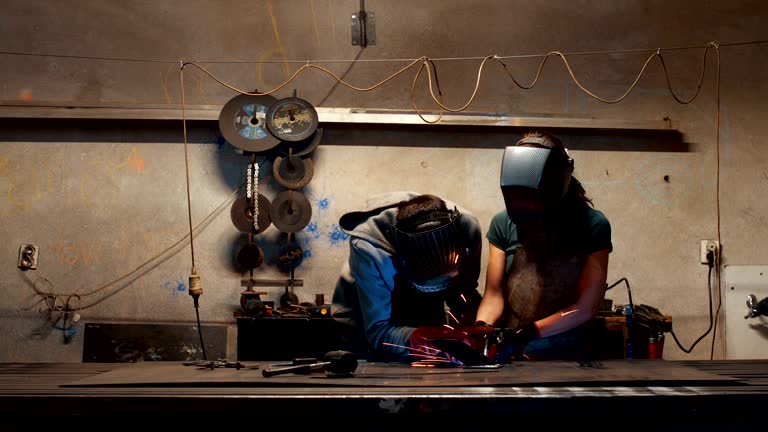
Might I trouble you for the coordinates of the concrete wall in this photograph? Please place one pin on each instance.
(101, 199)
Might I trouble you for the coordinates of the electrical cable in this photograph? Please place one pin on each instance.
(140, 270)
(195, 288)
(200, 333)
(714, 331)
(390, 60)
(427, 63)
(424, 60)
(711, 320)
(629, 290)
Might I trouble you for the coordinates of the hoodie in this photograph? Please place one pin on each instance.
(374, 304)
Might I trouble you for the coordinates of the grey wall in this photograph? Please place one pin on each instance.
(106, 199)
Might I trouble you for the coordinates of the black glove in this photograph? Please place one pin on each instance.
(512, 342)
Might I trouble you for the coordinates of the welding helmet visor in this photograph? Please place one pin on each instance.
(430, 249)
(534, 179)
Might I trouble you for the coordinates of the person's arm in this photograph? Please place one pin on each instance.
(492, 305)
(591, 286)
(374, 277)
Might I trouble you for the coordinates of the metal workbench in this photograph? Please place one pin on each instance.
(647, 394)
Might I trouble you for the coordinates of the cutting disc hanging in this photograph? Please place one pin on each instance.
(242, 214)
(290, 211)
(292, 119)
(293, 172)
(289, 257)
(243, 122)
(249, 257)
(300, 148)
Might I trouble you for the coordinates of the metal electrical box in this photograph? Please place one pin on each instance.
(745, 338)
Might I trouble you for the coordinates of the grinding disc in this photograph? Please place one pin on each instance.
(243, 123)
(290, 257)
(290, 211)
(293, 172)
(249, 257)
(242, 214)
(300, 148)
(292, 119)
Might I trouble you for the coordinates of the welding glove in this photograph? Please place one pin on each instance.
(481, 337)
(512, 342)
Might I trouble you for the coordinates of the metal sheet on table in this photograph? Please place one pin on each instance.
(614, 372)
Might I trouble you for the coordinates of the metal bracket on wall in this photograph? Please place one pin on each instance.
(57, 110)
(363, 28)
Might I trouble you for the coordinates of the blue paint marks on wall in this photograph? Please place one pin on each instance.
(221, 142)
(337, 236)
(323, 204)
(307, 254)
(175, 287)
(312, 230)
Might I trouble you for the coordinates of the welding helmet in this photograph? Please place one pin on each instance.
(430, 248)
(535, 176)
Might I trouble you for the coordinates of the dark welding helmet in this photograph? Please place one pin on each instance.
(535, 175)
(430, 249)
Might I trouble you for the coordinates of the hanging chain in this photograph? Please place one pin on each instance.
(252, 191)
(255, 196)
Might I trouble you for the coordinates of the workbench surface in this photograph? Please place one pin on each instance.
(702, 393)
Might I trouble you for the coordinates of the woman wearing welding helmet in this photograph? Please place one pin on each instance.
(548, 257)
(412, 275)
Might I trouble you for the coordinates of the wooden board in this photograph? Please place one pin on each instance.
(614, 372)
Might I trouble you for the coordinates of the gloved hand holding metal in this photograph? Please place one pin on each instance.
(510, 343)
(474, 335)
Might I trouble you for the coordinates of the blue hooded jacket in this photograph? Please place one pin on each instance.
(375, 306)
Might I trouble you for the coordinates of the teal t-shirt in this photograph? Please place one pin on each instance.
(502, 233)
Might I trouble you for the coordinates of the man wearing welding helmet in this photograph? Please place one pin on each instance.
(412, 273)
(548, 257)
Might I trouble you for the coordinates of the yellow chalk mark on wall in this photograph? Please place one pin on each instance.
(164, 83)
(40, 186)
(314, 20)
(278, 50)
(133, 243)
(111, 169)
(200, 88)
(75, 252)
(333, 24)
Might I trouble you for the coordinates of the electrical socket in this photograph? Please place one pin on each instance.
(28, 257)
(706, 246)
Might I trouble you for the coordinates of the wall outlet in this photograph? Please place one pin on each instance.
(28, 257)
(706, 246)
